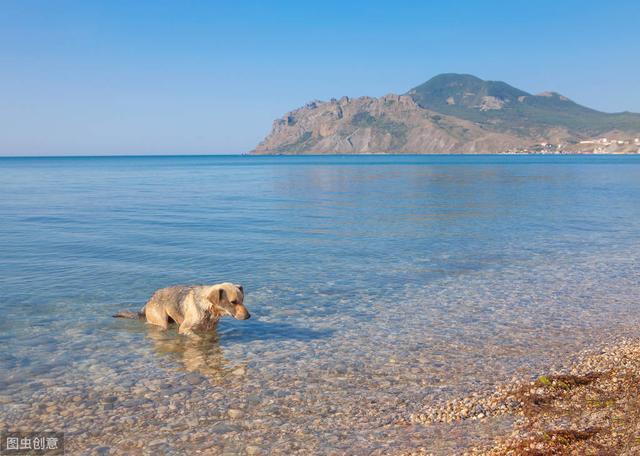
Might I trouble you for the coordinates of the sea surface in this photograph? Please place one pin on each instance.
(378, 286)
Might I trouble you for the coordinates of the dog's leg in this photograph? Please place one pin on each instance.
(175, 316)
(192, 316)
(157, 316)
(186, 329)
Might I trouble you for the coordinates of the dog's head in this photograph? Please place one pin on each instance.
(228, 299)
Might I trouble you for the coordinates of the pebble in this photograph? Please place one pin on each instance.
(157, 442)
(194, 379)
(239, 372)
(235, 414)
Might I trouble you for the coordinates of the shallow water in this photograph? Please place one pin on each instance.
(377, 285)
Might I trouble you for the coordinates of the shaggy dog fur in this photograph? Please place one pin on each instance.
(193, 307)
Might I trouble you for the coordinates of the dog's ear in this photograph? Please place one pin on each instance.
(216, 296)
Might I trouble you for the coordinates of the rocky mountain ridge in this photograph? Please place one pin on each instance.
(451, 114)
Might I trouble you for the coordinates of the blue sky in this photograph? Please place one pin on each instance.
(158, 77)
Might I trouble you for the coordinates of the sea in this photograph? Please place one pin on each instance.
(379, 286)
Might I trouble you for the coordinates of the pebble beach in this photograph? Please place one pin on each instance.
(590, 407)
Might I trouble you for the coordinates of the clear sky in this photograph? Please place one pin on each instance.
(157, 77)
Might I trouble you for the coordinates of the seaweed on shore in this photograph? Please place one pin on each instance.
(593, 408)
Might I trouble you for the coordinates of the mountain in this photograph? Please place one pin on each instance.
(505, 107)
(452, 113)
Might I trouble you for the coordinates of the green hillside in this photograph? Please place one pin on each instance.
(500, 106)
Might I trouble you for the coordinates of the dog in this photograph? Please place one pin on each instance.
(192, 307)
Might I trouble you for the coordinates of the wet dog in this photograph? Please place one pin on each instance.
(192, 307)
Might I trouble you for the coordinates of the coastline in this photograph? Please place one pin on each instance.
(8, 157)
(590, 407)
(312, 154)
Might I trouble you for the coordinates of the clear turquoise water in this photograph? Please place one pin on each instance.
(377, 284)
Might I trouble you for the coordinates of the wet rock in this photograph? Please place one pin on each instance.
(235, 414)
(132, 403)
(340, 369)
(224, 428)
(192, 422)
(109, 399)
(239, 372)
(194, 379)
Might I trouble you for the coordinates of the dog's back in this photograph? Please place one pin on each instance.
(173, 295)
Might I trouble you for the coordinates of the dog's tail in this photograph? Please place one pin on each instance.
(130, 314)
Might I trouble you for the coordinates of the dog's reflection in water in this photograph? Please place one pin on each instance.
(201, 355)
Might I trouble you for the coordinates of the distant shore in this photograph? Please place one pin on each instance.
(592, 407)
(573, 153)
